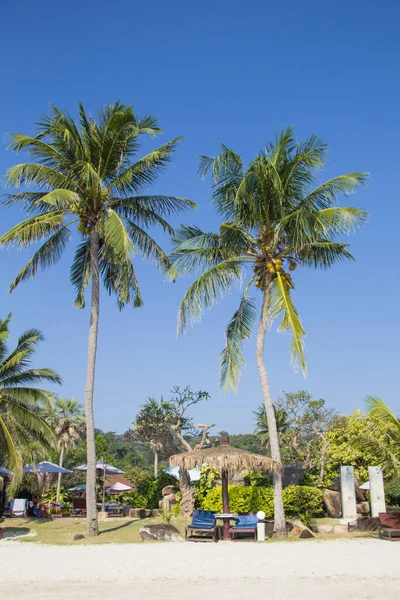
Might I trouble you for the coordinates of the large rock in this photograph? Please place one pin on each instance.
(78, 536)
(292, 475)
(168, 502)
(333, 503)
(364, 524)
(324, 529)
(335, 486)
(162, 532)
(169, 489)
(362, 508)
(137, 513)
(301, 531)
(269, 528)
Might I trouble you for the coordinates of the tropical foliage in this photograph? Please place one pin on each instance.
(87, 176)
(22, 428)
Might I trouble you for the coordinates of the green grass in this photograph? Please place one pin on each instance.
(61, 531)
(121, 531)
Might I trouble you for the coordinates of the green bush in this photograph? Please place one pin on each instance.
(242, 499)
(133, 499)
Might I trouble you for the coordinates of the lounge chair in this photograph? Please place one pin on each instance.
(390, 526)
(18, 507)
(245, 524)
(78, 507)
(203, 523)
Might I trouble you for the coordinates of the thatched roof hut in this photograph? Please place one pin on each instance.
(226, 459)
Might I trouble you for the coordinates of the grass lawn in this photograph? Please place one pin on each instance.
(61, 531)
(119, 531)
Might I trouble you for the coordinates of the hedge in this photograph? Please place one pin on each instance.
(243, 499)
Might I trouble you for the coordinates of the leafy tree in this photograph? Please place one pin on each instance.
(20, 420)
(68, 422)
(273, 221)
(88, 178)
(347, 445)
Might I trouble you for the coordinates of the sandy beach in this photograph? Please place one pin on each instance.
(366, 568)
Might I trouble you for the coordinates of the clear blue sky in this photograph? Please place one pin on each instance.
(235, 72)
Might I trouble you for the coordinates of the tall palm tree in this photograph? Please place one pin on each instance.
(68, 422)
(273, 221)
(87, 177)
(20, 420)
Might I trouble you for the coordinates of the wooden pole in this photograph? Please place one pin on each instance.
(225, 501)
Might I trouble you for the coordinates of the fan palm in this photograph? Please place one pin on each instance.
(88, 178)
(273, 221)
(20, 421)
(68, 422)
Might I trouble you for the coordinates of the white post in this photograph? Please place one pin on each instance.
(377, 491)
(260, 532)
(349, 508)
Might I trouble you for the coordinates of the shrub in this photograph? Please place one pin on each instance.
(134, 499)
(242, 499)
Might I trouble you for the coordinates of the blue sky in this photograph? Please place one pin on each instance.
(231, 72)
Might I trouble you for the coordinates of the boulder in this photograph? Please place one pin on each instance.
(78, 536)
(269, 528)
(155, 512)
(292, 475)
(336, 488)
(301, 531)
(169, 489)
(168, 502)
(162, 532)
(137, 513)
(364, 524)
(324, 529)
(333, 503)
(363, 508)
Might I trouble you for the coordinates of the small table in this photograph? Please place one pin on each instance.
(226, 518)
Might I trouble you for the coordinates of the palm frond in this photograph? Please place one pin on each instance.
(281, 305)
(207, 288)
(33, 229)
(239, 328)
(80, 272)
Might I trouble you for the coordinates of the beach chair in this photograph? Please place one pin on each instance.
(245, 524)
(202, 528)
(18, 507)
(390, 526)
(78, 507)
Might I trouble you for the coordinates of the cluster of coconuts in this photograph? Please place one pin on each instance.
(83, 227)
(274, 266)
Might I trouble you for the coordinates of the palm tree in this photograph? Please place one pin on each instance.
(88, 178)
(261, 431)
(273, 222)
(68, 422)
(382, 434)
(20, 420)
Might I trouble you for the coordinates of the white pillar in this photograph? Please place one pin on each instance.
(377, 491)
(260, 532)
(349, 508)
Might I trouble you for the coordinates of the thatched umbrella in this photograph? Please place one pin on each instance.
(228, 460)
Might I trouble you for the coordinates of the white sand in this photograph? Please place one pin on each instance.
(347, 569)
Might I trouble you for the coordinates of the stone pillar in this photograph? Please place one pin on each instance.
(349, 508)
(377, 491)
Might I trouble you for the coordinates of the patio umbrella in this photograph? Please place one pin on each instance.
(78, 488)
(107, 470)
(45, 467)
(227, 460)
(365, 486)
(118, 488)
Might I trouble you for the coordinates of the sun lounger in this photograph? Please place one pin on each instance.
(245, 524)
(390, 526)
(19, 507)
(78, 507)
(203, 528)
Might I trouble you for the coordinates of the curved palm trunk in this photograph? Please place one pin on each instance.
(279, 513)
(91, 523)
(60, 464)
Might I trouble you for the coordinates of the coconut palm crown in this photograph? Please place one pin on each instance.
(274, 221)
(20, 399)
